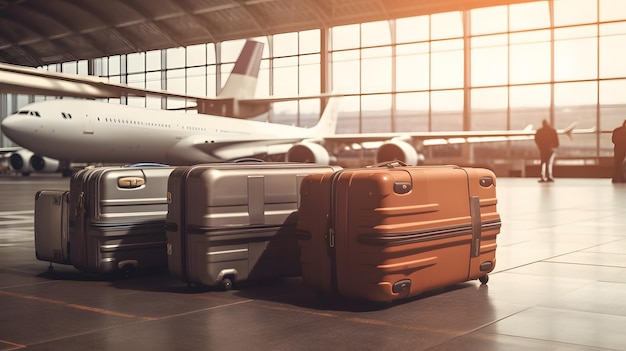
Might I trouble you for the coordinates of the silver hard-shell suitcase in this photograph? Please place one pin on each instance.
(234, 221)
(117, 218)
(51, 226)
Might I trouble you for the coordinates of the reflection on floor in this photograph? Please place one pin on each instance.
(559, 284)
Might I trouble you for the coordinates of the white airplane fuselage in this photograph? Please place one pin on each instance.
(89, 131)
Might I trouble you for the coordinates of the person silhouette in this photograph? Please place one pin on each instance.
(547, 141)
(619, 153)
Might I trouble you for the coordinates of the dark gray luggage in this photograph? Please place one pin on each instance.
(235, 221)
(117, 218)
(51, 226)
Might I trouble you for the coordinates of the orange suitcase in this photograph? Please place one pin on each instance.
(391, 232)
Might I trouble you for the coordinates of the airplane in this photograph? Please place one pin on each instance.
(73, 130)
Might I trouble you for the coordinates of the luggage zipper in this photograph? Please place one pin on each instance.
(332, 253)
(183, 222)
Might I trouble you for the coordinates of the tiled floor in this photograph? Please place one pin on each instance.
(559, 284)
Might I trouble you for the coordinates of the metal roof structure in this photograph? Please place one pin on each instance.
(40, 32)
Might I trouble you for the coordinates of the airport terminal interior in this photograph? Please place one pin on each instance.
(434, 66)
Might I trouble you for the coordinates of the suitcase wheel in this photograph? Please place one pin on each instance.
(484, 279)
(226, 284)
(127, 268)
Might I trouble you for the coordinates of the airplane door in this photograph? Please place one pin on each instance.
(87, 126)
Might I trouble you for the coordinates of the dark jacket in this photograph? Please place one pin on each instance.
(546, 138)
(619, 140)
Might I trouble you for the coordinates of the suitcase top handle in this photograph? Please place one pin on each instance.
(146, 164)
(130, 182)
(389, 164)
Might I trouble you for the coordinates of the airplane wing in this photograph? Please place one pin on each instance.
(28, 80)
(402, 145)
(450, 137)
(194, 149)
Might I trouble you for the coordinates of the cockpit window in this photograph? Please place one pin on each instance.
(66, 115)
(30, 113)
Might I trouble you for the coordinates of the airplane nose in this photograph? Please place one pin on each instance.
(10, 127)
(6, 122)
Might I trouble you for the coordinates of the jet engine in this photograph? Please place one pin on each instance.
(397, 150)
(25, 162)
(20, 161)
(308, 152)
(44, 164)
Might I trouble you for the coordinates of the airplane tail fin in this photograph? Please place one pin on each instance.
(241, 83)
(327, 125)
(569, 130)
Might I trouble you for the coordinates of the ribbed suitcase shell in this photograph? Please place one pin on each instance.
(117, 218)
(383, 233)
(234, 221)
(51, 226)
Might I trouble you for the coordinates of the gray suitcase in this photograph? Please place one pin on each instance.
(117, 218)
(51, 226)
(229, 222)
